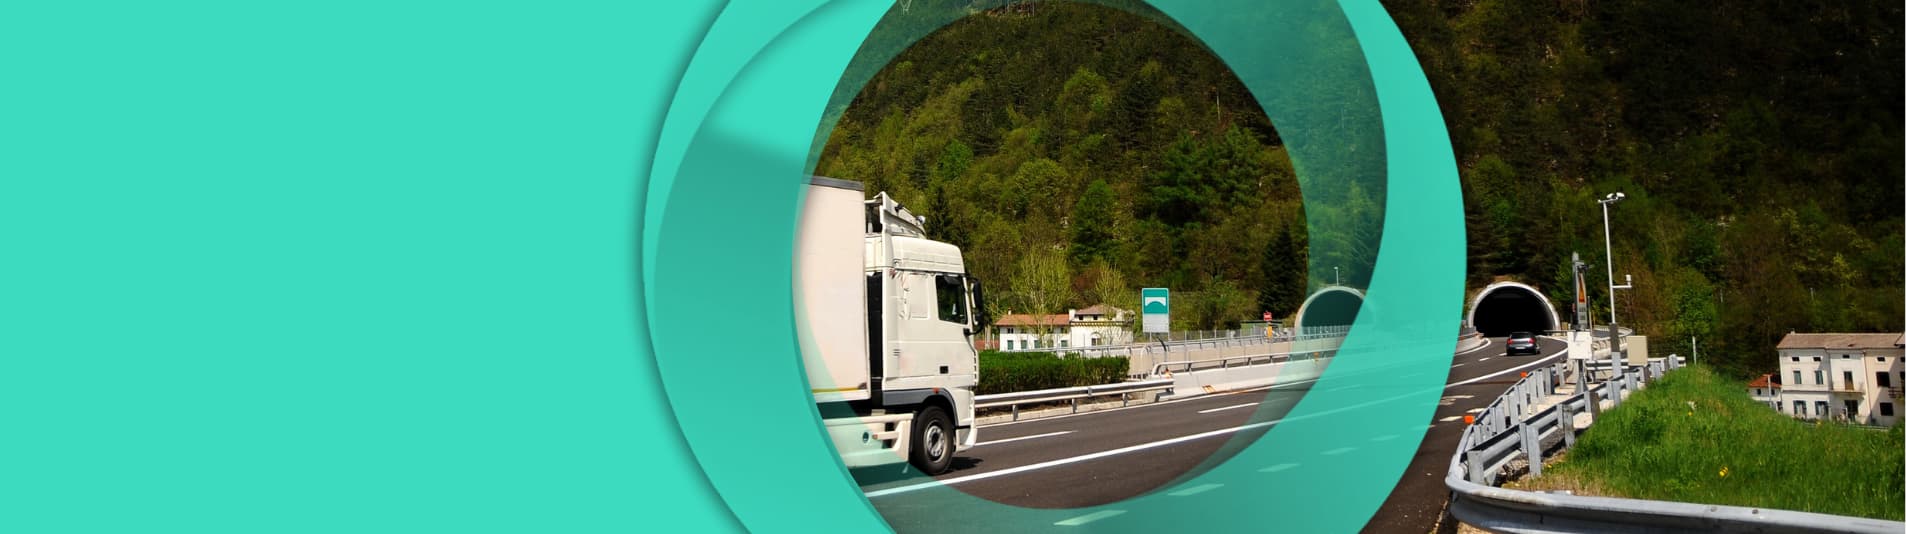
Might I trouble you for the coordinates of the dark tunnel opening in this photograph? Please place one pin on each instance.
(1331, 308)
(1512, 309)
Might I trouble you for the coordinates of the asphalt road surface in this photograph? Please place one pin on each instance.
(1074, 461)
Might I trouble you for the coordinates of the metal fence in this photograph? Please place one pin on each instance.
(1513, 428)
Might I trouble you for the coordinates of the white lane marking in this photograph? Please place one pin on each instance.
(1450, 419)
(1475, 410)
(1276, 468)
(1542, 360)
(1484, 345)
(1079, 458)
(1194, 490)
(1338, 450)
(1455, 366)
(1227, 407)
(1034, 436)
(1159, 403)
(1167, 442)
(1088, 518)
(1483, 360)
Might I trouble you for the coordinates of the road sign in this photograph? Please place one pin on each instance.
(1156, 305)
(1267, 317)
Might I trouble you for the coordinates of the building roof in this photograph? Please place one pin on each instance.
(1765, 381)
(1795, 340)
(1027, 319)
(1100, 309)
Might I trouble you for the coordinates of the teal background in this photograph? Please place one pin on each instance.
(357, 266)
(335, 267)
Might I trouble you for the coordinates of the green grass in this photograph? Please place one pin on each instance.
(1731, 450)
(1003, 372)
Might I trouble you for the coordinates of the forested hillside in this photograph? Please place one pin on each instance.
(1078, 152)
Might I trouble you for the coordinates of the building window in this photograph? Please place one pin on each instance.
(1820, 408)
(1009, 344)
(1796, 358)
(1799, 408)
(1852, 409)
(1886, 409)
(1883, 379)
(1796, 377)
(1848, 376)
(1063, 343)
(1819, 377)
(1882, 358)
(1816, 358)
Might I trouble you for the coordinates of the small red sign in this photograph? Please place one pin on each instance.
(1267, 316)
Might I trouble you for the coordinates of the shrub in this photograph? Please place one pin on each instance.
(1001, 372)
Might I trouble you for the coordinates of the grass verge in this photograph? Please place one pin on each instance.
(1696, 437)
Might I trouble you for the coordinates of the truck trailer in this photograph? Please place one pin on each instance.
(886, 319)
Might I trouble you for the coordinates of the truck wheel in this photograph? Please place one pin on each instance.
(933, 441)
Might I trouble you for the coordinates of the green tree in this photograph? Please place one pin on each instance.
(1041, 285)
(1092, 232)
(1282, 288)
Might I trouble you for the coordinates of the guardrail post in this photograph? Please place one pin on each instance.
(1566, 423)
(1476, 476)
(1075, 405)
(1581, 386)
(1532, 448)
(1015, 412)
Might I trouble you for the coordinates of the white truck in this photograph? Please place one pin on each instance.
(886, 319)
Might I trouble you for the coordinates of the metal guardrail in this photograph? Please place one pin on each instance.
(1307, 333)
(1507, 430)
(1234, 361)
(1072, 394)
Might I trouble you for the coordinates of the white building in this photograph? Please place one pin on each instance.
(1766, 390)
(1090, 327)
(1849, 377)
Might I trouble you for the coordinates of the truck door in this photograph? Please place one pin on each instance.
(932, 342)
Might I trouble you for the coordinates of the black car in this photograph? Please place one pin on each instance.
(1522, 343)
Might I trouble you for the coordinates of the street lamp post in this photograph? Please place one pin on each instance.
(1337, 274)
(1614, 334)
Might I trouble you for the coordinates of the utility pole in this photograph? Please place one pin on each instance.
(1614, 332)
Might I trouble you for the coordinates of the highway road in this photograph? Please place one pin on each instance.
(1101, 457)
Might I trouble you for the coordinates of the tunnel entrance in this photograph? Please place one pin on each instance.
(1506, 307)
(1330, 306)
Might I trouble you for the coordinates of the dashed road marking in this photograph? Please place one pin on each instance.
(1276, 468)
(1035, 436)
(1227, 407)
(1450, 419)
(1339, 450)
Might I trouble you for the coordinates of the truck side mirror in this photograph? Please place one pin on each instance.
(980, 317)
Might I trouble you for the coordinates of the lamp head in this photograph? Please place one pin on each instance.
(1613, 198)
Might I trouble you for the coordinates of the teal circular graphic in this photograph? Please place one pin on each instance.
(759, 97)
